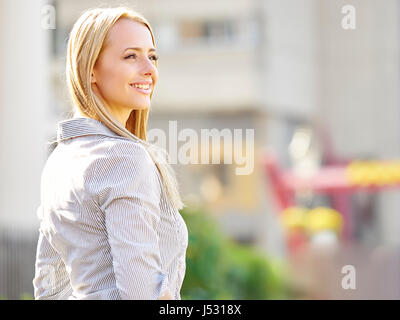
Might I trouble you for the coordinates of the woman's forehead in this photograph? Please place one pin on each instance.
(128, 33)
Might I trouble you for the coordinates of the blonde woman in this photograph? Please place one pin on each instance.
(109, 221)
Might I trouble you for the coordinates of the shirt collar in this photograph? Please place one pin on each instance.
(82, 126)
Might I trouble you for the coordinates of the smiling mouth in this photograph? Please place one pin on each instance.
(141, 86)
(146, 89)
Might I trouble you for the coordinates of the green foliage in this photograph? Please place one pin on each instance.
(24, 296)
(27, 296)
(218, 268)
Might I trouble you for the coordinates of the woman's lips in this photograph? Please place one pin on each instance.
(145, 91)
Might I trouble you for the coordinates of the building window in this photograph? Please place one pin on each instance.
(188, 34)
(208, 31)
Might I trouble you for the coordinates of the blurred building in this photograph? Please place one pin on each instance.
(271, 66)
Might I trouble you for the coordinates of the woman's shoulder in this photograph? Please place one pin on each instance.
(121, 144)
(123, 165)
(114, 153)
(123, 148)
(96, 165)
(85, 155)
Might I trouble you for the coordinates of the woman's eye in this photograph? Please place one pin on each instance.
(131, 55)
(154, 57)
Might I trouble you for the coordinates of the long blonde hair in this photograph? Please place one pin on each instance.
(85, 42)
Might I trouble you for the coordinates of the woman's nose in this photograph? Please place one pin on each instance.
(148, 66)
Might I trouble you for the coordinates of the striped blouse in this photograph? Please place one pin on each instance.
(107, 229)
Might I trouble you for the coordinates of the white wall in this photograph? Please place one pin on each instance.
(290, 59)
(360, 77)
(24, 109)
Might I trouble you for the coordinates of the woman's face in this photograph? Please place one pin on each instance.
(122, 76)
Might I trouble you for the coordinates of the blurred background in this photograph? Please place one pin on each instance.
(317, 80)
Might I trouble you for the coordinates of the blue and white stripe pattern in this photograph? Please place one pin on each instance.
(107, 229)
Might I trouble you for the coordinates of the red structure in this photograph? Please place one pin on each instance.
(332, 180)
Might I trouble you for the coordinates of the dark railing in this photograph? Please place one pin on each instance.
(17, 263)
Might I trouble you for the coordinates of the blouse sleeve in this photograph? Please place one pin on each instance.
(51, 280)
(129, 198)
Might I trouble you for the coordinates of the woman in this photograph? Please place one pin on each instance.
(109, 221)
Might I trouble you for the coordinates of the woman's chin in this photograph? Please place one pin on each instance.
(140, 107)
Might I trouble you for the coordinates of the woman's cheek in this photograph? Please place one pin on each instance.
(115, 82)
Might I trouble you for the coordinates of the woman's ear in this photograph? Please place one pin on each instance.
(92, 78)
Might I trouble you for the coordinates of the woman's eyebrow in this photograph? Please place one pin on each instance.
(139, 49)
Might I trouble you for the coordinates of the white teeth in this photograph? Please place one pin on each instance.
(146, 86)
